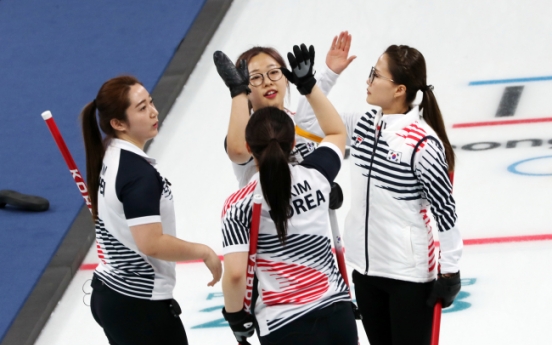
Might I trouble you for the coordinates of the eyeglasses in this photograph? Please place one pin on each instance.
(374, 74)
(257, 79)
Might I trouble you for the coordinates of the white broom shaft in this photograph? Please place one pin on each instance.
(339, 252)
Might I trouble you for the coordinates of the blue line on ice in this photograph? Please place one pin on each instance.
(508, 81)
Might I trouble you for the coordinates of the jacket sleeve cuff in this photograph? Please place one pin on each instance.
(451, 246)
(326, 79)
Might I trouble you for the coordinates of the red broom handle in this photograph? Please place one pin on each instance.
(75, 173)
(252, 260)
(436, 323)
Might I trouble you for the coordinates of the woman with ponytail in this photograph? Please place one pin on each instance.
(402, 159)
(301, 296)
(132, 207)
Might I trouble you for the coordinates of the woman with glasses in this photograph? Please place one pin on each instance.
(259, 83)
(302, 297)
(400, 189)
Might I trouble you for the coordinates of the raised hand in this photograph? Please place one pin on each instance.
(338, 58)
(301, 62)
(237, 79)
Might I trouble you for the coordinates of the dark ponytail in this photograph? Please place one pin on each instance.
(94, 149)
(270, 135)
(111, 103)
(433, 117)
(407, 67)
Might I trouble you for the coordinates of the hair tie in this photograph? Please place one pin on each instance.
(94, 103)
(273, 139)
(427, 88)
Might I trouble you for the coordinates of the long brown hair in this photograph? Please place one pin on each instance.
(111, 102)
(270, 134)
(251, 53)
(407, 67)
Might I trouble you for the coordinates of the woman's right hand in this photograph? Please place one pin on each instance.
(338, 58)
(237, 79)
(214, 265)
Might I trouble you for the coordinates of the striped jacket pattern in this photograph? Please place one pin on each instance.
(400, 190)
(131, 193)
(300, 276)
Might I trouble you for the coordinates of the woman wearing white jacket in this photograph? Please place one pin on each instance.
(401, 159)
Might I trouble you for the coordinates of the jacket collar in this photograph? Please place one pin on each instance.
(398, 121)
(128, 146)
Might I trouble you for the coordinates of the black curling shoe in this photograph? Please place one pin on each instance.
(23, 201)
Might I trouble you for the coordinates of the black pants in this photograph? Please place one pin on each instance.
(394, 312)
(332, 325)
(133, 321)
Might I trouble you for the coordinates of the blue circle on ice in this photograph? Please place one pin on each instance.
(514, 167)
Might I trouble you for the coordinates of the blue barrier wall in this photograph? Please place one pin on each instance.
(55, 55)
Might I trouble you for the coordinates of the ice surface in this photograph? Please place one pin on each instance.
(505, 298)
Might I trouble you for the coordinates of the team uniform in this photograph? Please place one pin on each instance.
(400, 188)
(133, 293)
(297, 281)
(303, 146)
(400, 162)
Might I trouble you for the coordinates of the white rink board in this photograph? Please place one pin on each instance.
(462, 41)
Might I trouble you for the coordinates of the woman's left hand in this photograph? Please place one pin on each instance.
(214, 265)
(338, 58)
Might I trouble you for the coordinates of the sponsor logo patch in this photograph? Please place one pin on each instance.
(357, 140)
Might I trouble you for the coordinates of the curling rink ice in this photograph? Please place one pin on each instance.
(475, 52)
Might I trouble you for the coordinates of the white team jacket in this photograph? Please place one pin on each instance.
(394, 196)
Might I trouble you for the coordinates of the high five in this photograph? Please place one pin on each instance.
(301, 296)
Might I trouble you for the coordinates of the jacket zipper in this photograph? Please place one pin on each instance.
(377, 135)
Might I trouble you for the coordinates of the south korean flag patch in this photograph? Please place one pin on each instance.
(394, 156)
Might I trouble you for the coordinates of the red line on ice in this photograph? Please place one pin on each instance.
(509, 239)
(467, 242)
(502, 122)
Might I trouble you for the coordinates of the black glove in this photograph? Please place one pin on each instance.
(301, 64)
(336, 197)
(241, 324)
(445, 289)
(237, 79)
